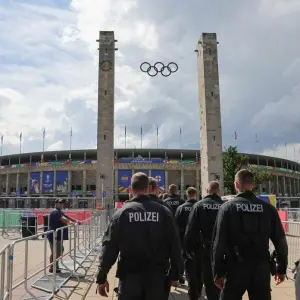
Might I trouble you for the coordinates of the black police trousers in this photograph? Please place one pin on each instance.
(251, 276)
(193, 273)
(212, 291)
(143, 286)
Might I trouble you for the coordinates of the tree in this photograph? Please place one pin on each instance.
(233, 161)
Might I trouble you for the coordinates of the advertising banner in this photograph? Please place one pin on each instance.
(140, 160)
(124, 180)
(48, 182)
(35, 182)
(141, 171)
(62, 181)
(159, 175)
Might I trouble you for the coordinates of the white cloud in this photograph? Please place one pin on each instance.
(290, 151)
(59, 145)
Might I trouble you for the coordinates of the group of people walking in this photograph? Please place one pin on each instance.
(222, 246)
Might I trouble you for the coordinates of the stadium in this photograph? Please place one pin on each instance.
(30, 176)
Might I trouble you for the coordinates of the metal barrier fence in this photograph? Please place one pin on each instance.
(12, 220)
(24, 276)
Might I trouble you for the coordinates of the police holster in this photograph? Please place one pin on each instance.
(296, 268)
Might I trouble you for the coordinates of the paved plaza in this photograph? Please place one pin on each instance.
(86, 288)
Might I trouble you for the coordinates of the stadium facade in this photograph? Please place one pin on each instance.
(66, 174)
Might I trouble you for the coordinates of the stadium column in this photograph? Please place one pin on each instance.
(27, 201)
(84, 184)
(54, 183)
(43, 203)
(210, 111)
(284, 187)
(18, 182)
(166, 181)
(69, 183)
(7, 185)
(182, 183)
(105, 131)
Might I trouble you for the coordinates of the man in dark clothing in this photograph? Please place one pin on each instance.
(199, 233)
(192, 266)
(143, 234)
(153, 191)
(57, 219)
(241, 254)
(173, 200)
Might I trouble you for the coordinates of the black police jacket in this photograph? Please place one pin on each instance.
(155, 199)
(201, 223)
(174, 201)
(143, 234)
(182, 215)
(243, 228)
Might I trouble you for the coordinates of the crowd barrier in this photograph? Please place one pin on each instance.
(11, 219)
(22, 271)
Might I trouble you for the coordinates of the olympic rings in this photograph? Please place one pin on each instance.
(159, 67)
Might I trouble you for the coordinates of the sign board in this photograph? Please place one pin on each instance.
(103, 194)
(18, 193)
(73, 194)
(94, 194)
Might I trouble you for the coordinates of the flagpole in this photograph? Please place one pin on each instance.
(71, 134)
(1, 144)
(20, 147)
(125, 137)
(141, 137)
(44, 132)
(156, 136)
(180, 136)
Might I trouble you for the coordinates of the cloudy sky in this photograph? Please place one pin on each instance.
(48, 72)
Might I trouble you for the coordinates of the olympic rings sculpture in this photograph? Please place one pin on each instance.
(159, 67)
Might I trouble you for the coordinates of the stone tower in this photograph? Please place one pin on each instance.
(105, 131)
(210, 112)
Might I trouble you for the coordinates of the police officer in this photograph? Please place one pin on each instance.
(174, 199)
(241, 245)
(152, 192)
(199, 230)
(143, 233)
(192, 265)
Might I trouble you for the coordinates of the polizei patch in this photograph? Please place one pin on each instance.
(212, 206)
(146, 216)
(250, 207)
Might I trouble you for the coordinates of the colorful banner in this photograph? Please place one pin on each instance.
(141, 171)
(124, 180)
(35, 182)
(268, 198)
(159, 175)
(141, 160)
(62, 181)
(48, 182)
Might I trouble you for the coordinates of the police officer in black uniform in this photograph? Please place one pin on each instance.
(143, 233)
(152, 192)
(241, 257)
(200, 229)
(174, 199)
(192, 266)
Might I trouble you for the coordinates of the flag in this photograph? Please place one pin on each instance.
(125, 137)
(125, 131)
(20, 136)
(71, 132)
(285, 144)
(141, 137)
(256, 138)
(44, 133)
(84, 156)
(196, 156)
(235, 135)
(2, 139)
(156, 130)
(55, 156)
(181, 155)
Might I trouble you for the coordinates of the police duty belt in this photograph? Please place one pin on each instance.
(159, 67)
